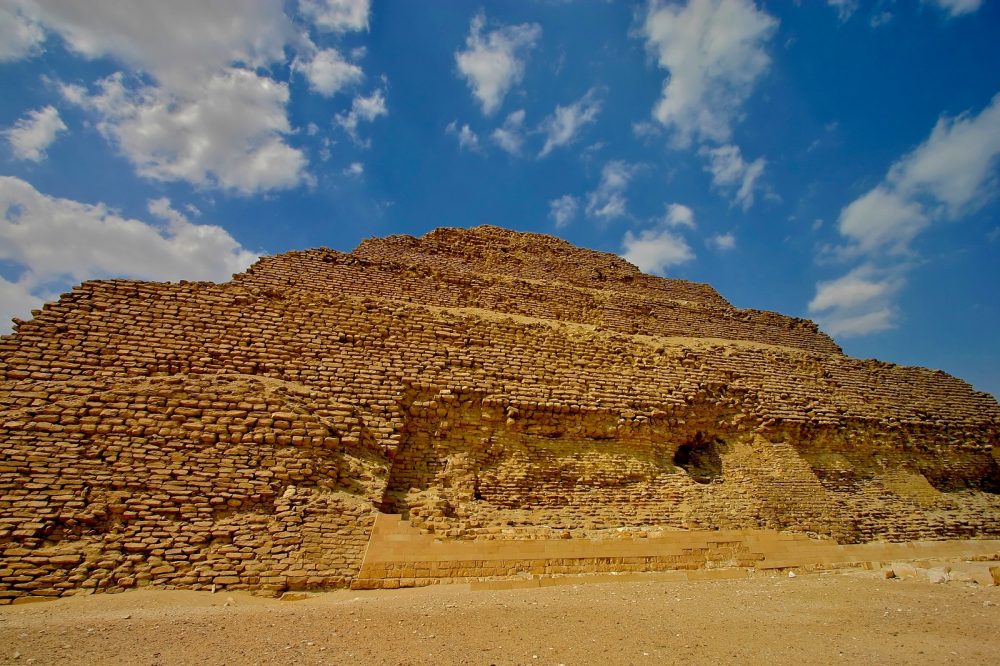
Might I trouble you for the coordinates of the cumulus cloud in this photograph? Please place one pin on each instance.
(229, 135)
(563, 210)
(608, 201)
(722, 242)
(33, 134)
(510, 135)
(328, 73)
(882, 219)
(955, 166)
(858, 303)
(714, 51)
(337, 15)
(956, 7)
(948, 176)
(467, 138)
(655, 250)
(181, 43)
(492, 63)
(562, 127)
(195, 102)
(54, 241)
(732, 174)
(363, 109)
(20, 36)
(354, 169)
(678, 215)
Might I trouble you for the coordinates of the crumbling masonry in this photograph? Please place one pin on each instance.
(486, 385)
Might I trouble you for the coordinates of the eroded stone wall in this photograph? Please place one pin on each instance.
(678, 309)
(245, 435)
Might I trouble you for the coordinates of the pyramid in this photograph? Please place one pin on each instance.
(500, 402)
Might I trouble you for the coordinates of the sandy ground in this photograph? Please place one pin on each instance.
(818, 618)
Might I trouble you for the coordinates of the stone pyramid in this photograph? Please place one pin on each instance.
(481, 385)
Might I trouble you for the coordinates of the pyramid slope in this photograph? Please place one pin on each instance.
(485, 384)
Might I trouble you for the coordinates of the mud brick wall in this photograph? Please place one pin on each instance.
(675, 308)
(245, 435)
(195, 482)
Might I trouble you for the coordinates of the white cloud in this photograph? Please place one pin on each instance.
(493, 63)
(20, 37)
(844, 7)
(654, 250)
(33, 134)
(195, 101)
(678, 215)
(858, 303)
(337, 15)
(365, 109)
(867, 323)
(948, 176)
(18, 299)
(646, 131)
(722, 242)
(956, 7)
(714, 53)
(181, 42)
(855, 289)
(565, 122)
(955, 165)
(608, 201)
(563, 210)
(328, 72)
(60, 241)
(230, 135)
(882, 220)
(510, 135)
(467, 138)
(354, 169)
(731, 173)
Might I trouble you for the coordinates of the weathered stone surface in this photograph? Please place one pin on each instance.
(488, 385)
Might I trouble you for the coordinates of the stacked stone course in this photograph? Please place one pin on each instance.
(486, 384)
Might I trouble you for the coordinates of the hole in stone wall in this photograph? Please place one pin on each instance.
(701, 458)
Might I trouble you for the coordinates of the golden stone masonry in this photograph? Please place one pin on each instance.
(471, 405)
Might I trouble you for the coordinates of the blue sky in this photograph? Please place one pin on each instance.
(834, 160)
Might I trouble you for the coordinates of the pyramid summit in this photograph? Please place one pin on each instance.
(474, 404)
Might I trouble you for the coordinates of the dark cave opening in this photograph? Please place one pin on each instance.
(701, 458)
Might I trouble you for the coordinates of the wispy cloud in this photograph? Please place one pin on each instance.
(20, 36)
(608, 201)
(562, 127)
(563, 210)
(732, 174)
(467, 138)
(510, 135)
(363, 109)
(34, 133)
(956, 7)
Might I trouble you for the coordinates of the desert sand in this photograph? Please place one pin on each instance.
(824, 618)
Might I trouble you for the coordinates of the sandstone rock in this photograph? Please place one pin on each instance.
(491, 385)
